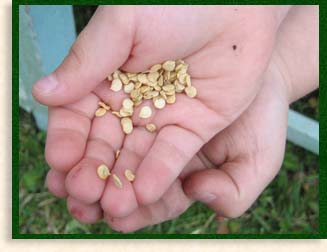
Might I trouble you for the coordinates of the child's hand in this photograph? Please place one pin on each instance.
(227, 49)
(250, 151)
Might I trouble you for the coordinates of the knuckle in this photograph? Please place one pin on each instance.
(77, 56)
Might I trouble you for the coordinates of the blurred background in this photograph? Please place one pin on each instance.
(290, 204)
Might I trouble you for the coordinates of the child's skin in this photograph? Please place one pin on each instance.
(256, 122)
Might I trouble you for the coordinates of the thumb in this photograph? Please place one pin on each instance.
(102, 47)
(231, 189)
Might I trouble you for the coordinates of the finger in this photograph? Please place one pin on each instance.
(152, 47)
(106, 136)
(171, 151)
(232, 189)
(68, 130)
(102, 47)
(85, 213)
(132, 153)
(55, 182)
(172, 204)
(182, 130)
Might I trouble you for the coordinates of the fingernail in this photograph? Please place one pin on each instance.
(46, 85)
(204, 197)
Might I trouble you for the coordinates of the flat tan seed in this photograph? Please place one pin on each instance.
(144, 89)
(103, 171)
(117, 181)
(133, 78)
(115, 75)
(179, 88)
(168, 87)
(129, 87)
(181, 77)
(160, 81)
(127, 103)
(137, 85)
(125, 112)
(191, 91)
(135, 93)
(129, 175)
(110, 78)
(116, 113)
(145, 112)
(147, 96)
(163, 94)
(151, 127)
(127, 125)
(137, 103)
(166, 75)
(171, 99)
(169, 65)
(157, 88)
(100, 112)
(151, 84)
(130, 75)
(188, 80)
(153, 76)
(170, 92)
(103, 105)
(178, 67)
(117, 154)
(155, 68)
(142, 78)
(116, 85)
(123, 78)
(159, 102)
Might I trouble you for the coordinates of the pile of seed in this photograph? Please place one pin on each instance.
(160, 84)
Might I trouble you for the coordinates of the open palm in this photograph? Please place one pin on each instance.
(227, 49)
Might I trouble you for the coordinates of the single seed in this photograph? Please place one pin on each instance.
(137, 103)
(123, 78)
(170, 92)
(188, 80)
(103, 105)
(155, 68)
(127, 125)
(153, 76)
(171, 99)
(135, 93)
(115, 75)
(151, 127)
(116, 113)
(142, 78)
(100, 112)
(145, 112)
(163, 94)
(137, 85)
(159, 102)
(123, 112)
(169, 65)
(117, 181)
(191, 91)
(127, 103)
(129, 87)
(110, 77)
(129, 175)
(103, 171)
(168, 87)
(117, 154)
(160, 81)
(116, 85)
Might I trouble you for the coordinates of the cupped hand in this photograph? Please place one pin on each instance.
(227, 49)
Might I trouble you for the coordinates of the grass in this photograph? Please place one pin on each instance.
(288, 205)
